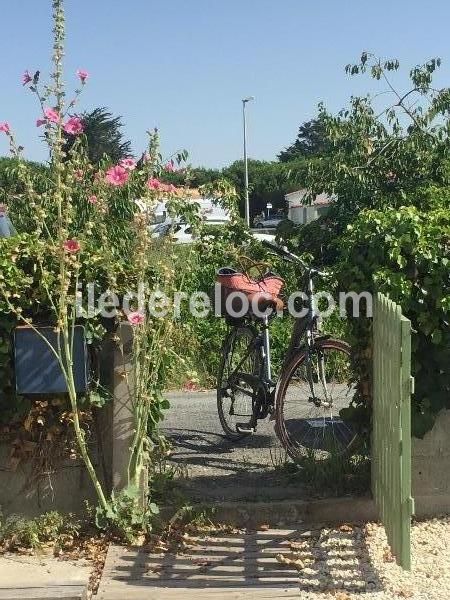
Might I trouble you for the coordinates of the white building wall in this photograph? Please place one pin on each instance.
(301, 213)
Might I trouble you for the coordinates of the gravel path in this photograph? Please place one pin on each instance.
(348, 561)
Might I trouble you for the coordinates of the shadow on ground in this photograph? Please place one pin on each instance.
(321, 560)
(211, 467)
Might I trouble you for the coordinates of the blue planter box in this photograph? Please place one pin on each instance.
(37, 368)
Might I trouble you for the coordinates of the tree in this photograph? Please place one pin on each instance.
(389, 229)
(104, 136)
(268, 181)
(195, 177)
(311, 141)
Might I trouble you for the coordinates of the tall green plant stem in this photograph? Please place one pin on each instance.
(66, 325)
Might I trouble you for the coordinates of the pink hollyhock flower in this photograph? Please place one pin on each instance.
(74, 126)
(117, 175)
(93, 199)
(83, 75)
(72, 246)
(78, 174)
(169, 166)
(26, 78)
(40, 122)
(52, 115)
(146, 157)
(5, 128)
(128, 163)
(135, 318)
(154, 184)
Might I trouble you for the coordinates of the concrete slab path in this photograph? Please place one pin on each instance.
(46, 577)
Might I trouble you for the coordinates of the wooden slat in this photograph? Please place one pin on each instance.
(219, 593)
(232, 567)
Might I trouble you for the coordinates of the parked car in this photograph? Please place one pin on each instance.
(270, 222)
(208, 209)
(182, 232)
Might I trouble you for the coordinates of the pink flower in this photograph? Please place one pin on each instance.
(5, 128)
(169, 166)
(26, 78)
(117, 175)
(146, 157)
(40, 122)
(74, 126)
(52, 115)
(83, 75)
(71, 246)
(128, 163)
(154, 184)
(135, 318)
(78, 174)
(93, 199)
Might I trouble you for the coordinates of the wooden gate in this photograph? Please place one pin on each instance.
(391, 443)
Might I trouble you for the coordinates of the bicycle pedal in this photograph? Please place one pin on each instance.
(243, 428)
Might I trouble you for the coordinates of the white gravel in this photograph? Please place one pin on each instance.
(353, 562)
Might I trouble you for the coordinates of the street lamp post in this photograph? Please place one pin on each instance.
(244, 115)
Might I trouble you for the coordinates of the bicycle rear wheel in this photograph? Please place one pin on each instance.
(313, 388)
(235, 397)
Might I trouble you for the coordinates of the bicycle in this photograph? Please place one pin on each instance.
(315, 381)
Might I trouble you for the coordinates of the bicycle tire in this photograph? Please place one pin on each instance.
(225, 403)
(306, 422)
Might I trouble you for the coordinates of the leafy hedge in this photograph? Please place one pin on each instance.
(405, 254)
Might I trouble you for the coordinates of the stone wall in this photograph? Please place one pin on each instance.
(68, 486)
(25, 492)
(431, 469)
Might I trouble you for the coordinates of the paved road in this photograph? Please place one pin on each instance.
(218, 469)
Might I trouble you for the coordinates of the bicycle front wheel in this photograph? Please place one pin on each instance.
(235, 398)
(311, 392)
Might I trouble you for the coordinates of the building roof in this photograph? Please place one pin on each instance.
(320, 200)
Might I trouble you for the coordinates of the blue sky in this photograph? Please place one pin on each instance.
(184, 65)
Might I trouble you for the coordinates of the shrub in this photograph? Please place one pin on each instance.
(388, 227)
(405, 254)
(18, 532)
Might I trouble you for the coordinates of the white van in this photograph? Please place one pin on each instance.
(208, 209)
(164, 225)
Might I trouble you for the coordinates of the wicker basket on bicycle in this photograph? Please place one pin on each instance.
(238, 294)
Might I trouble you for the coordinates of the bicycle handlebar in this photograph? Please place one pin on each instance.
(287, 255)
